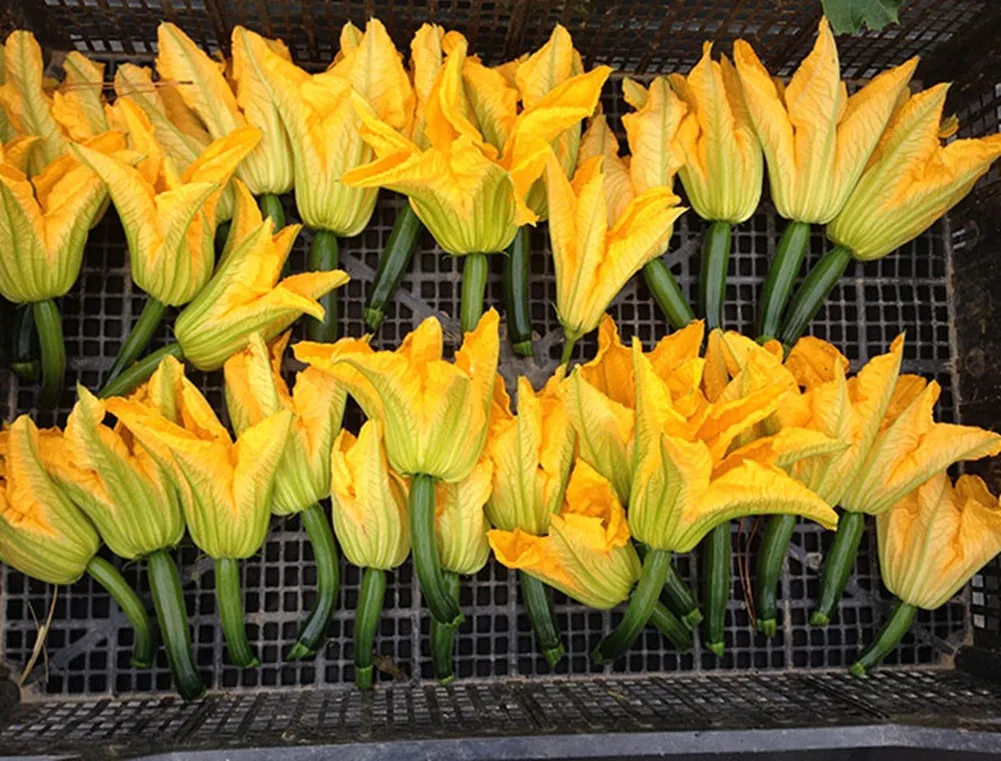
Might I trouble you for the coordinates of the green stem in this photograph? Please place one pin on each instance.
(641, 605)
(672, 627)
(49, 324)
(887, 639)
(568, 343)
(168, 601)
(370, 599)
(474, 286)
(679, 598)
(712, 280)
(667, 293)
(108, 577)
(393, 264)
(782, 274)
(813, 292)
(324, 256)
(771, 556)
(443, 606)
(24, 350)
(138, 339)
(838, 565)
(140, 371)
(443, 637)
(271, 206)
(229, 598)
(538, 599)
(517, 291)
(328, 582)
(716, 584)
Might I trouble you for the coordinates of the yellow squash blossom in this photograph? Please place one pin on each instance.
(652, 133)
(532, 453)
(369, 501)
(930, 544)
(169, 217)
(887, 419)
(179, 131)
(255, 390)
(434, 413)
(78, 103)
(912, 179)
(816, 139)
(688, 476)
(42, 533)
(933, 541)
(460, 521)
(593, 255)
(469, 187)
(599, 140)
(723, 166)
(600, 398)
(225, 485)
(200, 82)
(586, 554)
(127, 494)
(244, 295)
(535, 76)
(23, 97)
(45, 221)
(318, 114)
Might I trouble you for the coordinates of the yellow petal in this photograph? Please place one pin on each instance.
(78, 104)
(369, 501)
(653, 141)
(461, 523)
(813, 362)
(932, 542)
(23, 95)
(546, 68)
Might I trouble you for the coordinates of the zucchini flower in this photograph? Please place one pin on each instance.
(723, 167)
(931, 543)
(326, 142)
(78, 103)
(910, 182)
(43, 534)
(169, 216)
(243, 297)
(600, 398)
(594, 254)
(532, 453)
(469, 187)
(255, 390)
(434, 416)
(199, 80)
(425, 62)
(370, 519)
(586, 553)
(817, 141)
(692, 472)
(225, 486)
(126, 493)
(895, 446)
(461, 535)
(23, 96)
(43, 231)
(537, 75)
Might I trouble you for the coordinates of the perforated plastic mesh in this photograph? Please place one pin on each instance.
(87, 649)
(494, 709)
(632, 34)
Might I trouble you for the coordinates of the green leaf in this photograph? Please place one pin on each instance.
(849, 16)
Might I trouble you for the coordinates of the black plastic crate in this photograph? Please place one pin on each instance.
(84, 697)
